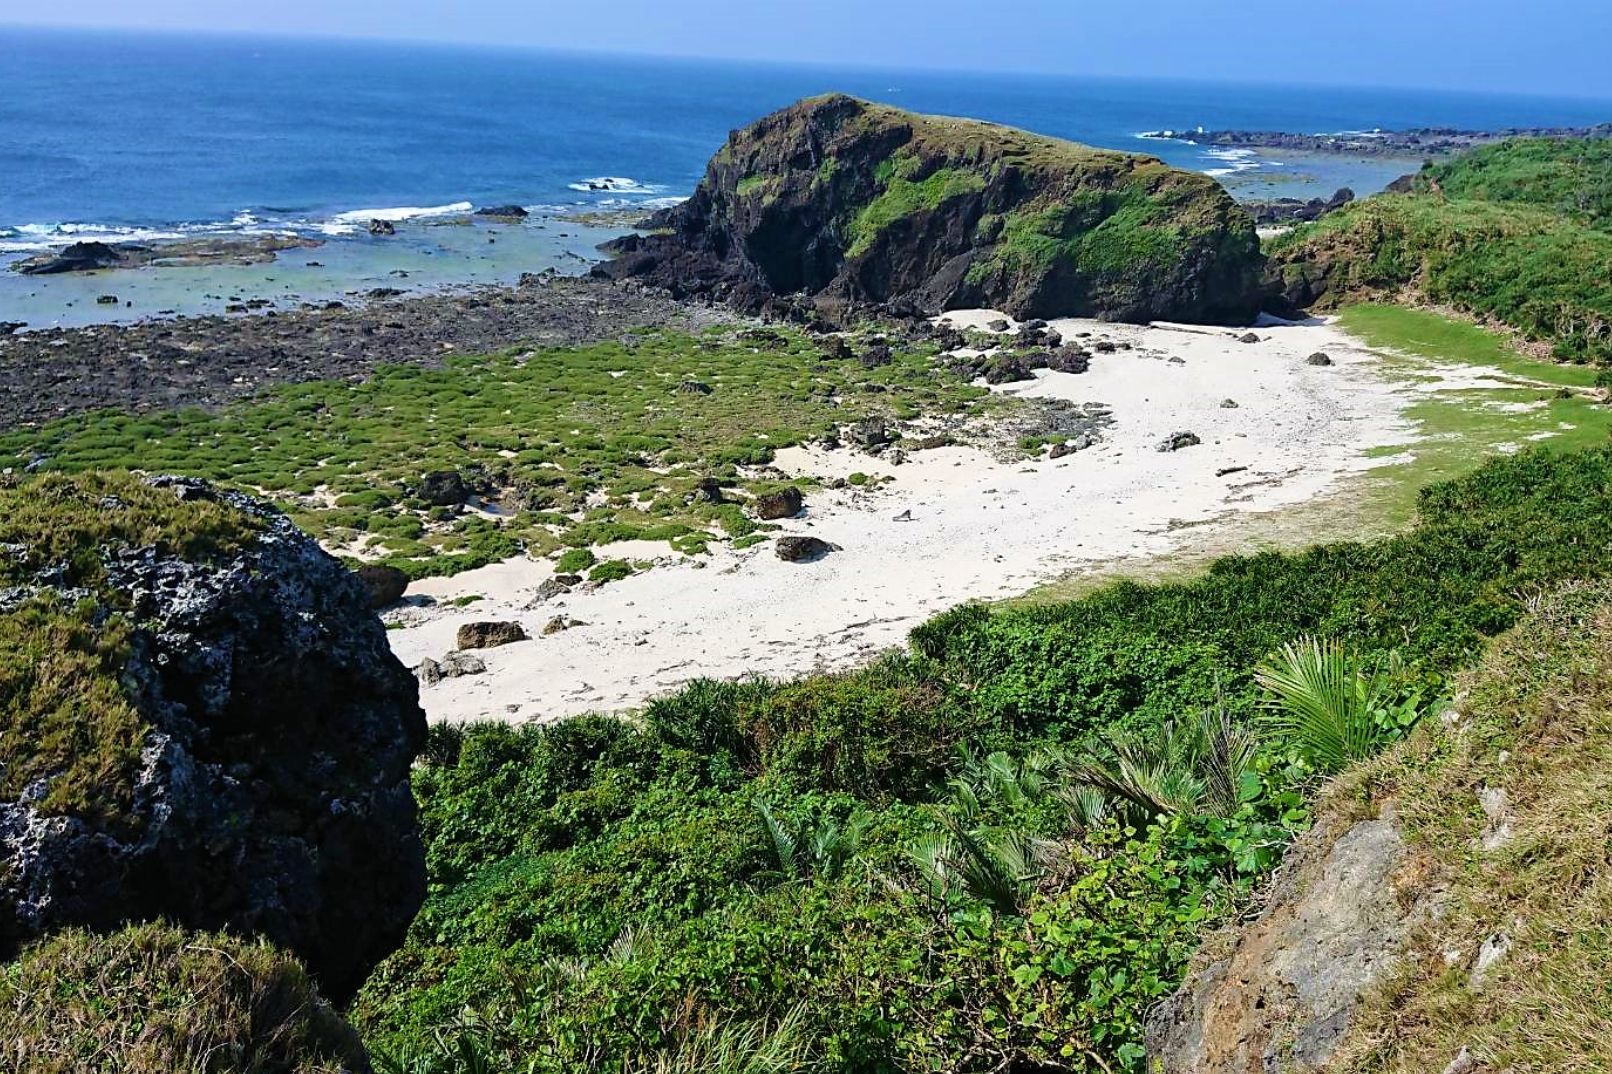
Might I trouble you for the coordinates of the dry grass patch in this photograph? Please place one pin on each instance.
(153, 999)
(1529, 875)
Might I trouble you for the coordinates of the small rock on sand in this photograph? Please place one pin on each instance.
(803, 549)
(785, 503)
(1177, 441)
(489, 635)
(386, 585)
(1318, 358)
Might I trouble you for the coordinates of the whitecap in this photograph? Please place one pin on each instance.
(401, 212)
(615, 184)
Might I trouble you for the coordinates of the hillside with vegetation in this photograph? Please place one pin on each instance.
(1518, 235)
(850, 202)
(997, 851)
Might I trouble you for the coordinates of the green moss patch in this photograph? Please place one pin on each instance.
(583, 445)
(902, 197)
(70, 521)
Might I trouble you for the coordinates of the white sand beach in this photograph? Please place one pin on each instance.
(954, 525)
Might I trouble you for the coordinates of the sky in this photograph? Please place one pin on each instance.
(1549, 47)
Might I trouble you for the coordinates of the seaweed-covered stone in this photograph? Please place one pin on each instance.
(850, 203)
(200, 721)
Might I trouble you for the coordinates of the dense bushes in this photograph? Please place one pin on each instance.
(601, 889)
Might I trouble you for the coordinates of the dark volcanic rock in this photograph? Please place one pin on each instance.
(443, 488)
(79, 257)
(782, 211)
(489, 635)
(503, 212)
(869, 433)
(802, 549)
(1318, 358)
(382, 227)
(386, 585)
(272, 790)
(1276, 211)
(785, 503)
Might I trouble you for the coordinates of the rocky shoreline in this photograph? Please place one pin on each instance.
(210, 361)
(1412, 143)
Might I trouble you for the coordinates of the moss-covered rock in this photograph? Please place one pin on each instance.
(200, 719)
(855, 202)
(153, 999)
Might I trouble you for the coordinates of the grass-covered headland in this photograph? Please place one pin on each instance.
(1518, 234)
(996, 851)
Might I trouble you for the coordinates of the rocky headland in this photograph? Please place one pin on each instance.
(848, 203)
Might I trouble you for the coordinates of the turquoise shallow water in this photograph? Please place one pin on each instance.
(130, 136)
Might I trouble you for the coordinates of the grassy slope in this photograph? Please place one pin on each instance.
(598, 887)
(1463, 427)
(593, 444)
(1538, 725)
(150, 999)
(1515, 233)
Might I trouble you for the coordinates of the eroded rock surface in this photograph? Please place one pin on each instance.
(1282, 999)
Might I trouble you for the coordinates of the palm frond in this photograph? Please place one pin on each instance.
(1227, 755)
(784, 844)
(1322, 703)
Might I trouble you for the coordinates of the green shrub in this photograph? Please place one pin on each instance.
(574, 561)
(611, 570)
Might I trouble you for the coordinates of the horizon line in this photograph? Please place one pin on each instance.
(688, 57)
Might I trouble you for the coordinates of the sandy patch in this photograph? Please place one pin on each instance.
(954, 525)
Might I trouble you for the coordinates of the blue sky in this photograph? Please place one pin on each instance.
(1525, 46)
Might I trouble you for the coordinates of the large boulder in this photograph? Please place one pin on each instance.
(854, 203)
(200, 721)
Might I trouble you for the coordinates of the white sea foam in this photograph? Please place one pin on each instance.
(615, 184)
(1236, 160)
(401, 212)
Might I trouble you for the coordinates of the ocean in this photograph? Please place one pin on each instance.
(130, 136)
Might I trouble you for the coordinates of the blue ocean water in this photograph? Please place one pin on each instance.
(112, 135)
(144, 130)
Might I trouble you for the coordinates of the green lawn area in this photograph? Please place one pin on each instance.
(579, 446)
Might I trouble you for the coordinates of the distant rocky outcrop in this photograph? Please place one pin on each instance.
(850, 203)
(1409, 143)
(200, 721)
(218, 250)
(1274, 212)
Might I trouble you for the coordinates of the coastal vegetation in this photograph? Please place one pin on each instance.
(564, 447)
(1516, 235)
(1001, 847)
